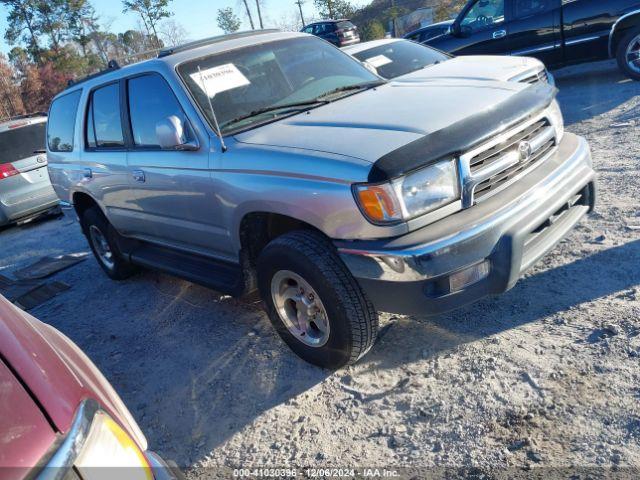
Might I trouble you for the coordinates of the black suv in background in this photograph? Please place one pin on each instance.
(339, 32)
(558, 32)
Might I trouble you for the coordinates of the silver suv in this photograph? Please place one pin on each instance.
(25, 190)
(274, 161)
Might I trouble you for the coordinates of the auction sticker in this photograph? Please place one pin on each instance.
(219, 79)
(378, 61)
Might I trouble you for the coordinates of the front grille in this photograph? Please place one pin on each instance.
(493, 183)
(493, 154)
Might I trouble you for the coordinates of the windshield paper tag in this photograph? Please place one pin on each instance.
(378, 61)
(219, 79)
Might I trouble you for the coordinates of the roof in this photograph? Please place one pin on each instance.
(329, 20)
(361, 47)
(176, 55)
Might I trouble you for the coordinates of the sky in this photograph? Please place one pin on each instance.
(198, 17)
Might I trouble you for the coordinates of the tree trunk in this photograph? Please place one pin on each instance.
(246, 5)
(259, 14)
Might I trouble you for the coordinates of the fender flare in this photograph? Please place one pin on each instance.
(623, 18)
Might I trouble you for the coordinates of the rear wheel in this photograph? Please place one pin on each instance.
(628, 54)
(101, 237)
(313, 301)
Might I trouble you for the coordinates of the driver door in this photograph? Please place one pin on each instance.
(483, 29)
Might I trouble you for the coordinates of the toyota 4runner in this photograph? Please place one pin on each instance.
(275, 162)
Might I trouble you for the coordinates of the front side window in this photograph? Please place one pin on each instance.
(526, 8)
(483, 14)
(260, 83)
(104, 125)
(62, 121)
(394, 59)
(151, 101)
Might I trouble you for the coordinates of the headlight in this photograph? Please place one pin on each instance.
(108, 445)
(410, 196)
(555, 117)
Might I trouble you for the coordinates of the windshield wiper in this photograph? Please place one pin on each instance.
(274, 108)
(357, 86)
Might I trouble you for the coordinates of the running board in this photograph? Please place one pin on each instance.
(222, 276)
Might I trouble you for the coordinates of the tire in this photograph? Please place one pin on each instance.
(94, 224)
(633, 36)
(351, 322)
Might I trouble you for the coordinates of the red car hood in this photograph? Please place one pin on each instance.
(56, 372)
(25, 433)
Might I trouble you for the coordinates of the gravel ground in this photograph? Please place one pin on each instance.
(546, 375)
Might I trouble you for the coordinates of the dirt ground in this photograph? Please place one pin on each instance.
(546, 375)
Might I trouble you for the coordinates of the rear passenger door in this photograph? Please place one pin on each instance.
(172, 189)
(104, 158)
(534, 29)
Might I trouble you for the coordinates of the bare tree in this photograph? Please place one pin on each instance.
(248, 11)
(172, 33)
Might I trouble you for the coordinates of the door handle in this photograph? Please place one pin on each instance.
(499, 34)
(87, 173)
(138, 175)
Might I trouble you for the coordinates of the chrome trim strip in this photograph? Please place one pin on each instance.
(582, 40)
(536, 49)
(613, 29)
(64, 458)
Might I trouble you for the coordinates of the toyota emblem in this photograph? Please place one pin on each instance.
(525, 150)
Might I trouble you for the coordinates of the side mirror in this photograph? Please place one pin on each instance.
(454, 29)
(171, 135)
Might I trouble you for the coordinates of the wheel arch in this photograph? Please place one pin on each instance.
(257, 228)
(620, 28)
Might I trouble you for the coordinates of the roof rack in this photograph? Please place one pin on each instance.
(211, 40)
(111, 66)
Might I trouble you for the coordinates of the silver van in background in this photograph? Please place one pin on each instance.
(25, 188)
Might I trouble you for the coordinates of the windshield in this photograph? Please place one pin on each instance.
(20, 143)
(246, 85)
(394, 59)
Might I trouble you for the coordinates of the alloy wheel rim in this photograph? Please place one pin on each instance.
(99, 241)
(633, 54)
(300, 308)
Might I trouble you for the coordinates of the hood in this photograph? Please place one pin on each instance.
(370, 124)
(55, 371)
(477, 68)
(25, 433)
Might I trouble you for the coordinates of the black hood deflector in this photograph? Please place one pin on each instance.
(455, 139)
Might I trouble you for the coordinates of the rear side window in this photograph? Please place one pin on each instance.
(19, 143)
(345, 25)
(150, 101)
(62, 121)
(104, 125)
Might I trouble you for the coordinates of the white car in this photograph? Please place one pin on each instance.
(404, 60)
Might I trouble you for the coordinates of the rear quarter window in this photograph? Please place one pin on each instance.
(19, 143)
(62, 121)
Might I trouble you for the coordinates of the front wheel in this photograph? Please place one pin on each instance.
(313, 301)
(102, 242)
(628, 54)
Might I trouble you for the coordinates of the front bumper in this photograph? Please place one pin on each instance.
(508, 232)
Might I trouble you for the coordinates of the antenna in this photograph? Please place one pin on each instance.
(213, 113)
